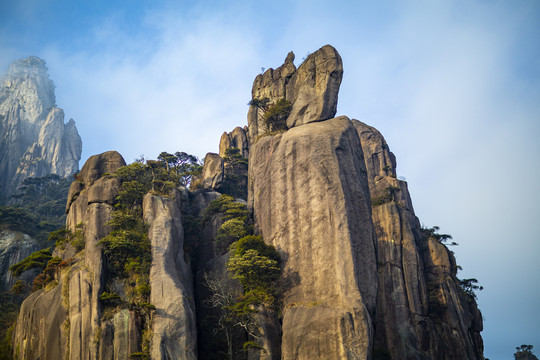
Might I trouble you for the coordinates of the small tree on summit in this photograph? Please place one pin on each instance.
(524, 352)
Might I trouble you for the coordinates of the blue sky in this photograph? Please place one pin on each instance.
(454, 86)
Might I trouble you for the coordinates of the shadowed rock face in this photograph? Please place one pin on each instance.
(412, 272)
(309, 195)
(312, 89)
(14, 247)
(34, 141)
(213, 172)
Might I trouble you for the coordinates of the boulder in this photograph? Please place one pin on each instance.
(213, 171)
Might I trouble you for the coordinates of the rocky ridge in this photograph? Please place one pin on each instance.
(34, 140)
(362, 279)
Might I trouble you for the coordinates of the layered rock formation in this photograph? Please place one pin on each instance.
(34, 140)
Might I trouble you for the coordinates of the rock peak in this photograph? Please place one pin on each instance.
(33, 137)
(289, 58)
(312, 89)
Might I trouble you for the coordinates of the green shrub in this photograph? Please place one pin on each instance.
(255, 264)
(231, 231)
(276, 114)
(111, 299)
(469, 286)
(35, 260)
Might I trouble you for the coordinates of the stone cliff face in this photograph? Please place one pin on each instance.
(421, 313)
(361, 278)
(34, 140)
(68, 321)
(309, 187)
(14, 247)
(310, 200)
(173, 323)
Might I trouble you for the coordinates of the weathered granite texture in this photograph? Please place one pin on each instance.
(312, 89)
(76, 297)
(14, 247)
(415, 273)
(309, 195)
(173, 322)
(238, 139)
(34, 140)
(213, 172)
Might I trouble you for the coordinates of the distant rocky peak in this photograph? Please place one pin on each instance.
(27, 81)
(31, 64)
(312, 89)
(34, 139)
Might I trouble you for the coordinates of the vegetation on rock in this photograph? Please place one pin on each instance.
(254, 264)
(38, 207)
(524, 352)
(274, 114)
(35, 260)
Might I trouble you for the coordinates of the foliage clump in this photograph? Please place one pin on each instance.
(36, 260)
(469, 286)
(63, 236)
(524, 352)
(236, 223)
(37, 208)
(256, 266)
(274, 114)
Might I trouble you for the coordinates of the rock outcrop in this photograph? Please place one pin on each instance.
(312, 89)
(69, 321)
(361, 279)
(238, 138)
(422, 313)
(174, 332)
(213, 172)
(14, 247)
(309, 195)
(70, 313)
(34, 140)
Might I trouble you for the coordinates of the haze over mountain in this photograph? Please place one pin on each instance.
(34, 140)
